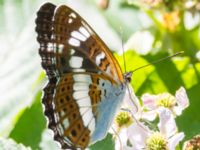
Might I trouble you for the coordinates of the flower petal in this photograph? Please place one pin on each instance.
(182, 98)
(149, 115)
(173, 141)
(137, 135)
(177, 110)
(131, 148)
(113, 128)
(121, 139)
(149, 101)
(167, 124)
(131, 101)
(128, 148)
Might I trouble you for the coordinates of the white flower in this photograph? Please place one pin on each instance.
(129, 114)
(131, 101)
(130, 128)
(175, 103)
(141, 137)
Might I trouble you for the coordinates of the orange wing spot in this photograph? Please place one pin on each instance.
(78, 134)
(65, 104)
(84, 139)
(104, 64)
(95, 51)
(95, 79)
(94, 93)
(63, 99)
(61, 19)
(65, 85)
(68, 110)
(66, 79)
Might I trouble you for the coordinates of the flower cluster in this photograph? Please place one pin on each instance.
(167, 5)
(169, 15)
(193, 144)
(150, 126)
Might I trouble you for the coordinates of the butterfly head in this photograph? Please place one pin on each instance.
(128, 76)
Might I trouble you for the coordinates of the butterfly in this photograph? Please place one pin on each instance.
(85, 83)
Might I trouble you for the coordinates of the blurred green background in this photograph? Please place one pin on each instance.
(150, 30)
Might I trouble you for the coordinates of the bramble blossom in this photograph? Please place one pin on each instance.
(134, 128)
(192, 144)
(175, 103)
(138, 136)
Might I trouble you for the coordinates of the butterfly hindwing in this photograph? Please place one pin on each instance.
(75, 107)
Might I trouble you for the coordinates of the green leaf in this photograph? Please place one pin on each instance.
(189, 121)
(106, 143)
(145, 79)
(168, 76)
(167, 72)
(29, 128)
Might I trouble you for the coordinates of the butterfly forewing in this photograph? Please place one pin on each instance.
(84, 77)
(72, 34)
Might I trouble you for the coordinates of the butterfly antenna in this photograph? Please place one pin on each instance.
(157, 61)
(124, 58)
(129, 91)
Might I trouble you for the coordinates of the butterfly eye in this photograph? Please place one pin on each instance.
(128, 76)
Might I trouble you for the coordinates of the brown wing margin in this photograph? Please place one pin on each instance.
(44, 30)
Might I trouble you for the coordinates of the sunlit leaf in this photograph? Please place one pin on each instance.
(107, 144)
(168, 75)
(28, 130)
